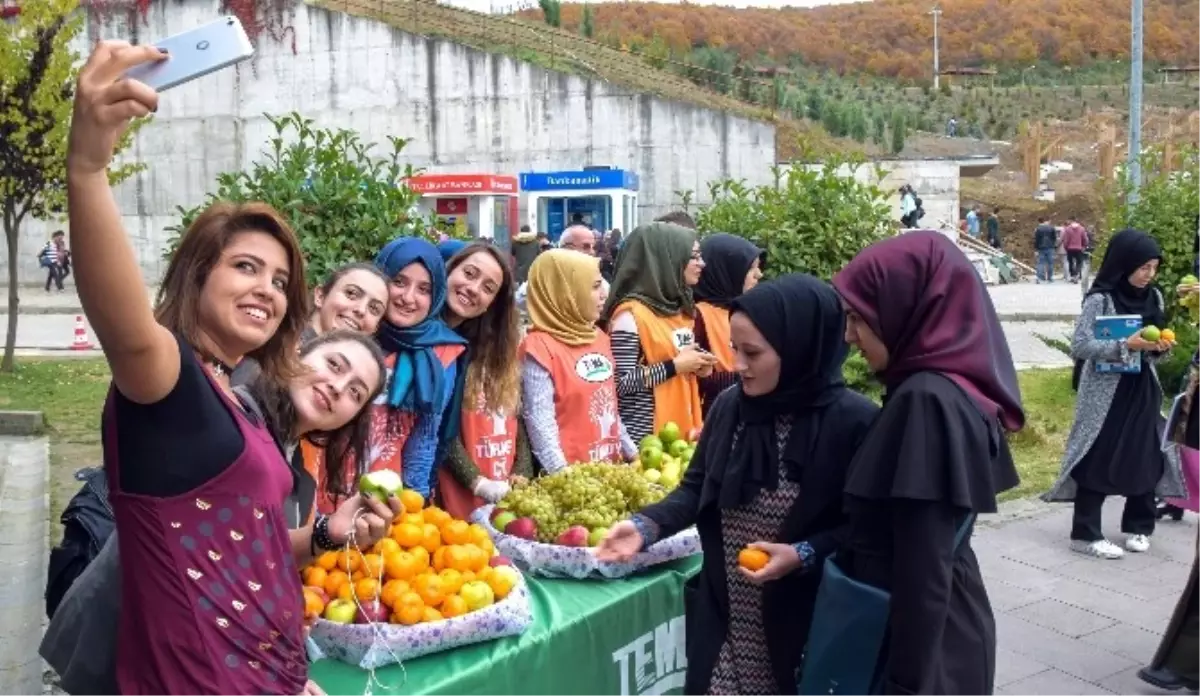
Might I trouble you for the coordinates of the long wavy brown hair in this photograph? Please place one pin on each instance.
(494, 338)
(178, 303)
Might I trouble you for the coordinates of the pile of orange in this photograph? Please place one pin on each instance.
(429, 567)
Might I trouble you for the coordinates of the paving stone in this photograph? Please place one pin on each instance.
(1123, 639)
(1006, 597)
(1052, 681)
(1063, 618)
(1066, 654)
(1013, 666)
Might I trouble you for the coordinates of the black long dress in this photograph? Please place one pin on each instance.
(930, 460)
(1126, 458)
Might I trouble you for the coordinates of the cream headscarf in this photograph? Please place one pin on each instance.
(559, 295)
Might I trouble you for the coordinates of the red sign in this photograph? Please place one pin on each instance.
(464, 184)
(451, 207)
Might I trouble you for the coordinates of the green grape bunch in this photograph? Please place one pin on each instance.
(1189, 296)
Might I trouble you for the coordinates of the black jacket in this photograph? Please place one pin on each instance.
(816, 517)
(1044, 237)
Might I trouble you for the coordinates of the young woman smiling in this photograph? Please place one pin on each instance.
(346, 369)
(490, 445)
(197, 485)
(649, 316)
(421, 356)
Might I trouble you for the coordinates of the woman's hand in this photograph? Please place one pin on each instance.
(105, 103)
(691, 359)
(621, 543)
(784, 560)
(312, 689)
(1137, 343)
(363, 520)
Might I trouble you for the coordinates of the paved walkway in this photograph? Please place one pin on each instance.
(1068, 623)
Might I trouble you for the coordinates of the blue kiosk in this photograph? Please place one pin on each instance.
(602, 198)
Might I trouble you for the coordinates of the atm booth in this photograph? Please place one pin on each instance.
(483, 206)
(601, 198)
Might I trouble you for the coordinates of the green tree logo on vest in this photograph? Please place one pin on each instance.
(594, 367)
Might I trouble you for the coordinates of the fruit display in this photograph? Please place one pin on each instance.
(429, 568)
(1154, 334)
(663, 457)
(1189, 296)
(574, 507)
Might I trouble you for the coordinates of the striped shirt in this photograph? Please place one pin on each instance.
(635, 379)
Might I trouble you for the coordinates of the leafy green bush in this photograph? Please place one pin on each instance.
(814, 221)
(344, 203)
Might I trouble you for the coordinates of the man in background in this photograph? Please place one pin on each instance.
(993, 229)
(1075, 242)
(576, 238)
(1045, 239)
(973, 222)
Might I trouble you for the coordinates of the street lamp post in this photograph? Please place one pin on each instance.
(1135, 101)
(936, 12)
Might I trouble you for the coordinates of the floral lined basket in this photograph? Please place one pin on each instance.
(358, 644)
(554, 561)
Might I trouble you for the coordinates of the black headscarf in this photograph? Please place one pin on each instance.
(727, 260)
(801, 318)
(1127, 251)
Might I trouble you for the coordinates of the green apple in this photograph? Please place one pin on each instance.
(651, 457)
(678, 447)
(341, 611)
(686, 457)
(651, 441)
(652, 475)
(670, 433)
(478, 594)
(1151, 333)
(501, 521)
(381, 484)
(597, 535)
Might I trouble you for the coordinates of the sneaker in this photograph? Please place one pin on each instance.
(1138, 543)
(1100, 549)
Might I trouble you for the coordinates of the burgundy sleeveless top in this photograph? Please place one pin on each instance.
(211, 599)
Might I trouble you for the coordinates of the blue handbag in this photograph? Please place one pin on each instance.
(850, 620)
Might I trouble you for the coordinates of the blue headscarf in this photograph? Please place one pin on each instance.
(450, 247)
(418, 382)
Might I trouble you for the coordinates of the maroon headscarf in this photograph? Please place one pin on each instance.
(920, 294)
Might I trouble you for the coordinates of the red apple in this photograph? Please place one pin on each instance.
(522, 527)
(373, 611)
(574, 536)
(497, 561)
(341, 611)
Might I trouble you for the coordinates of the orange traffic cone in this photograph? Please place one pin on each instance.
(81, 341)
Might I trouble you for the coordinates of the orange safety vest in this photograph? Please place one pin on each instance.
(388, 434)
(491, 441)
(678, 398)
(716, 327)
(585, 395)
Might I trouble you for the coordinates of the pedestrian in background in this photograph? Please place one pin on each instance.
(55, 258)
(1045, 238)
(1074, 241)
(993, 229)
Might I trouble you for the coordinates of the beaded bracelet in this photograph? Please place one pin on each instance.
(320, 535)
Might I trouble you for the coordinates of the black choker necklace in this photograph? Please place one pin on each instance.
(215, 364)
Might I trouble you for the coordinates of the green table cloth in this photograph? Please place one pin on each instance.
(588, 637)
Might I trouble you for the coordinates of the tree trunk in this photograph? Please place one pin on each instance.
(11, 225)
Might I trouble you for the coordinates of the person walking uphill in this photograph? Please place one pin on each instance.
(934, 458)
(649, 314)
(1114, 445)
(1045, 239)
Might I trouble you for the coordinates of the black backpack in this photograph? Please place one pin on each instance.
(87, 523)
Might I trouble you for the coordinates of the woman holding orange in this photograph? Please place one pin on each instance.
(732, 266)
(650, 315)
(570, 405)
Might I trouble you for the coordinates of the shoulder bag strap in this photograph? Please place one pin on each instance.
(963, 530)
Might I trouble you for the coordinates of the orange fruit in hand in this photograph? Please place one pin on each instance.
(333, 580)
(454, 606)
(366, 589)
(431, 589)
(407, 535)
(412, 500)
(327, 560)
(431, 615)
(314, 575)
(753, 559)
(431, 537)
(452, 581)
(392, 590)
(456, 532)
(1168, 335)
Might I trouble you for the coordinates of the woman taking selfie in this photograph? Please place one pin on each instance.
(488, 444)
(1115, 443)
(570, 401)
(732, 266)
(768, 474)
(327, 402)
(196, 485)
(649, 315)
(934, 458)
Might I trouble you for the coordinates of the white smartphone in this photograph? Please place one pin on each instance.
(196, 53)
